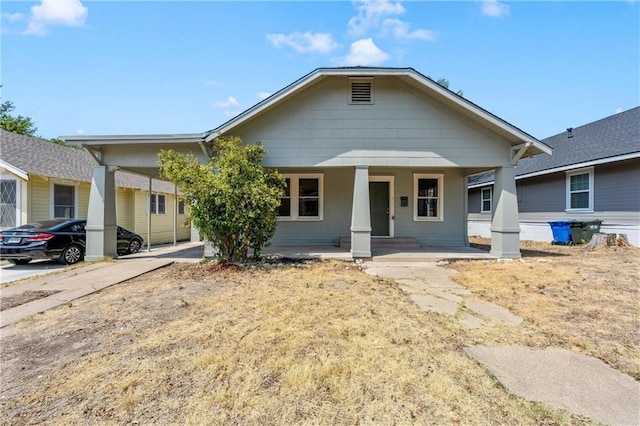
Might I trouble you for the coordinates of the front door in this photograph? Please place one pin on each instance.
(379, 208)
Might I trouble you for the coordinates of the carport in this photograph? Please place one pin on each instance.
(133, 153)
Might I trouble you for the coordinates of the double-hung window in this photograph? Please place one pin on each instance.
(303, 197)
(157, 204)
(181, 209)
(485, 195)
(428, 197)
(580, 190)
(64, 201)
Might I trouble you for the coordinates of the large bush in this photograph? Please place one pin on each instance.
(233, 200)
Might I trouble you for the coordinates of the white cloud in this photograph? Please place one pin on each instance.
(363, 53)
(13, 17)
(619, 110)
(231, 101)
(494, 8)
(55, 12)
(400, 29)
(213, 83)
(263, 95)
(306, 42)
(231, 113)
(370, 15)
(80, 132)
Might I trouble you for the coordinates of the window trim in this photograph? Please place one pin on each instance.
(155, 210)
(52, 199)
(482, 200)
(569, 174)
(18, 183)
(440, 197)
(294, 179)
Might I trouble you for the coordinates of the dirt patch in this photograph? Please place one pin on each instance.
(22, 298)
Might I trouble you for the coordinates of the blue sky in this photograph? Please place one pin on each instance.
(115, 67)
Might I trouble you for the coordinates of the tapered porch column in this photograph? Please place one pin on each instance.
(505, 226)
(360, 216)
(101, 218)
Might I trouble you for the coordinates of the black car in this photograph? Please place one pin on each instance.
(63, 240)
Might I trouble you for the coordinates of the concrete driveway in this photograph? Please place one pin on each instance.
(10, 272)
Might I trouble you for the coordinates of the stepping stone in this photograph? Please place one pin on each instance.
(494, 312)
(472, 322)
(564, 379)
(444, 294)
(435, 304)
(412, 285)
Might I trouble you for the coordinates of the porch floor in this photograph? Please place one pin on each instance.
(422, 254)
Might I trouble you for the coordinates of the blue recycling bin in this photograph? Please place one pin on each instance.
(561, 230)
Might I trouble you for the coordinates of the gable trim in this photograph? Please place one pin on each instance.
(15, 170)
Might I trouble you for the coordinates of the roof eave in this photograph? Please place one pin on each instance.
(14, 170)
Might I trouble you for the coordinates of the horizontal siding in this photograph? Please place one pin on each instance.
(125, 208)
(40, 199)
(617, 186)
(338, 197)
(542, 194)
(403, 128)
(161, 224)
(84, 189)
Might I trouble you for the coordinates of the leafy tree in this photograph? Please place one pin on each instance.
(233, 200)
(16, 124)
(445, 83)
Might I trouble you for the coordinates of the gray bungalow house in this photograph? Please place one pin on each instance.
(368, 153)
(594, 173)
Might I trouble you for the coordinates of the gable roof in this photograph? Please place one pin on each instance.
(612, 138)
(409, 76)
(604, 139)
(26, 155)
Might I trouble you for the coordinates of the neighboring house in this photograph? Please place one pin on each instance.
(368, 153)
(42, 180)
(594, 174)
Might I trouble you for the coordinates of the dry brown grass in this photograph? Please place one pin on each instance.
(318, 344)
(571, 297)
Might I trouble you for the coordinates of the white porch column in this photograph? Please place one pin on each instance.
(101, 217)
(360, 215)
(505, 226)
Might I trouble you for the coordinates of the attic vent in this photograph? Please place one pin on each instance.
(361, 91)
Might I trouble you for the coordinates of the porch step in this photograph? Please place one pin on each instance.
(385, 243)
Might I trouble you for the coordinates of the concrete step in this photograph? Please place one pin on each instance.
(385, 243)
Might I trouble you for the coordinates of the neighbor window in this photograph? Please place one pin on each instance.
(486, 200)
(8, 203)
(64, 201)
(180, 206)
(157, 204)
(428, 196)
(302, 199)
(580, 190)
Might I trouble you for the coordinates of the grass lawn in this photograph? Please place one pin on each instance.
(317, 343)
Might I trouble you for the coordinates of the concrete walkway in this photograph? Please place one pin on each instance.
(558, 377)
(429, 286)
(74, 283)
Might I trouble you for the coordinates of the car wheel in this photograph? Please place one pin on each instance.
(134, 246)
(20, 261)
(71, 254)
